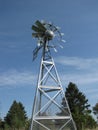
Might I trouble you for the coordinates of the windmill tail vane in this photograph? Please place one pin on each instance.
(35, 52)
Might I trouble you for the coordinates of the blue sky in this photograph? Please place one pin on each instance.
(76, 62)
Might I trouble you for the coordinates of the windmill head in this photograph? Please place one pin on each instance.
(44, 32)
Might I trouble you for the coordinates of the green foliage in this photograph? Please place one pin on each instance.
(95, 110)
(27, 124)
(16, 116)
(1, 124)
(91, 123)
(79, 107)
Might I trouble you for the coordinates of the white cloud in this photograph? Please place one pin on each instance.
(82, 70)
(14, 78)
(78, 63)
(81, 79)
(77, 74)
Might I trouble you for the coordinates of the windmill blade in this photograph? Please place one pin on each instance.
(40, 25)
(55, 49)
(55, 28)
(35, 52)
(60, 46)
(37, 35)
(62, 34)
(52, 27)
(63, 40)
(36, 29)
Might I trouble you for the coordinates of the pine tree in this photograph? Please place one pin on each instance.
(95, 111)
(16, 116)
(78, 105)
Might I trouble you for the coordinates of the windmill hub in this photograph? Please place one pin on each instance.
(49, 34)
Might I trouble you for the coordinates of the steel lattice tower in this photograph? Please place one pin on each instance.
(50, 109)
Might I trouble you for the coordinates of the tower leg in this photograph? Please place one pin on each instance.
(50, 109)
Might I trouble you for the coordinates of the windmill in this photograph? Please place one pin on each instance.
(50, 108)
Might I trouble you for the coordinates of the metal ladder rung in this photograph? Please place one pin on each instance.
(51, 87)
(48, 62)
(50, 90)
(51, 117)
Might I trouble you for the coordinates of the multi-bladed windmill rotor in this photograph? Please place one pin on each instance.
(45, 32)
